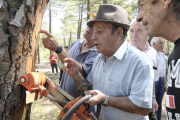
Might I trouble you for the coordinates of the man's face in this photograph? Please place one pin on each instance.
(152, 16)
(103, 39)
(159, 45)
(138, 35)
(88, 33)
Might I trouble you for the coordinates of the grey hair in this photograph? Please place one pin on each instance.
(155, 40)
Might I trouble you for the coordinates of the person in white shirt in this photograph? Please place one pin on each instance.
(139, 37)
(160, 85)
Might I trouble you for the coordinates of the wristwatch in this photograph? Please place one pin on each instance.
(106, 101)
(59, 49)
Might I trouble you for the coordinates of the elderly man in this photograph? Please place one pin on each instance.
(121, 75)
(157, 16)
(139, 37)
(157, 44)
(82, 50)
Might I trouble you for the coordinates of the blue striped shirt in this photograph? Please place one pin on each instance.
(86, 59)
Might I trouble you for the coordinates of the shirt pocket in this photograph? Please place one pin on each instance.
(116, 89)
(117, 86)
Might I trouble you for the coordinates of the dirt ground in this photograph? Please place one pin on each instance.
(43, 109)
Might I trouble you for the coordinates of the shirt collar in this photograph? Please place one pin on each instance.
(81, 41)
(148, 47)
(121, 51)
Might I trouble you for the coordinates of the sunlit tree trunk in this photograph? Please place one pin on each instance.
(139, 5)
(88, 9)
(20, 22)
(104, 1)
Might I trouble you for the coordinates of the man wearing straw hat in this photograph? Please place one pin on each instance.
(121, 75)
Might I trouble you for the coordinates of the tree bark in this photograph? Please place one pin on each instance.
(80, 21)
(50, 22)
(139, 2)
(88, 9)
(20, 21)
(104, 1)
(69, 40)
(39, 53)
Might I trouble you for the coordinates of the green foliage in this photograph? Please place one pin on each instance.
(168, 46)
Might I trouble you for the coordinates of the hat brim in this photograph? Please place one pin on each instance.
(125, 26)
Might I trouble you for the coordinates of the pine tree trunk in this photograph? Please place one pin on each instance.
(20, 21)
(139, 2)
(88, 9)
(104, 1)
(80, 21)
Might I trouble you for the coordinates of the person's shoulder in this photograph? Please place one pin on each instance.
(152, 50)
(77, 42)
(161, 53)
(134, 50)
(138, 55)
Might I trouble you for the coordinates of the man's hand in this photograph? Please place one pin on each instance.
(70, 66)
(155, 105)
(49, 41)
(98, 97)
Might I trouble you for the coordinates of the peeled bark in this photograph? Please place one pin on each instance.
(20, 21)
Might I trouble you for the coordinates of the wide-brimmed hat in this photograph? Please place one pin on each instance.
(113, 14)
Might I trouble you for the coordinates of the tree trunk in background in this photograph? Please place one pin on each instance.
(39, 53)
(20, 22)
(139, 5)
(80, 21)
(88, 9)
(69, 40)
(64, 41)
(50, 22)
(149, 40)
(104, 1)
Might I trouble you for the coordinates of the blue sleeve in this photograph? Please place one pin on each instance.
(87, 64)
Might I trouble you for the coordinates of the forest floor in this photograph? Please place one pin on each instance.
(43, 109)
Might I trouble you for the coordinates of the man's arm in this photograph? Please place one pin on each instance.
(155, 105)
(165, 86)
(71, 66)
(125, 104)
(122, 103)
(52, 44)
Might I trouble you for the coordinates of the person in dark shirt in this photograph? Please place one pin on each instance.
(161, 18)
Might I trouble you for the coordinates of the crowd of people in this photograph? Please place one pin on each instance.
(129, 79)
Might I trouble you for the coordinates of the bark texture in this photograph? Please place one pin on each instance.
(20, 21)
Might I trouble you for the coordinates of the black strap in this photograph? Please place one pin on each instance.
(61, 73)
(155, 68)
(98, 110)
